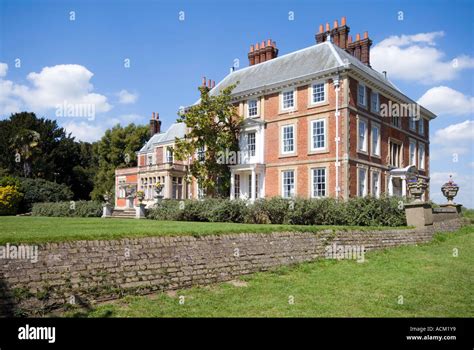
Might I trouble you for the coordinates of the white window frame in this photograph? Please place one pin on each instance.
(365, 143)
(236, 186)
(291, 195)
(360, 103)
(311, 140)
(375, 151)
(364, 169)
(256, 108)
(282, 102)
(253, 152)
(421, 156)
(377, 193)
(282, 143)
(325, 91)
(312, 172)
(170, 150)
(412, 142)
(372, 109)
(150, 156)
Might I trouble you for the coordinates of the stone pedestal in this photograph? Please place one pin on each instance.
(140, 211)
(452, 207)
(107, 210)
(419, 214)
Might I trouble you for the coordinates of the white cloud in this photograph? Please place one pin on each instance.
(415, 58)
(454, 143)
(53, 86)
(444, 100)
(91, 131)
(126, 97)
(455, 133)
(3, 69)
(84, 131)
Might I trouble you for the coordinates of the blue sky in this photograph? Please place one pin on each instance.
(428, 54)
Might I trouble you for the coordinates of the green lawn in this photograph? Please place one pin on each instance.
(24, 229)
(431, 280)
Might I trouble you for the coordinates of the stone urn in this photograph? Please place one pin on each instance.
(416, 188)
(140, 196)
(450, 190)
(158, 189)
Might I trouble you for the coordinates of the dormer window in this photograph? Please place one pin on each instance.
(150, 159)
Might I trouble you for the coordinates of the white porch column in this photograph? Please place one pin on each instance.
(232, 184)
(404, 186)
(168, 186)
(390, 186)
(253, 185)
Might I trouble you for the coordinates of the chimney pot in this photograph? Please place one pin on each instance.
(256, 46)
(321, 28)
(328, 28)
(251, 48)
(357, 37)
(343, 21)
(269, 42)
(335, 24)
(157, 115)
(203, 81)
(263, 44)
(153, 115)
(209, 83)
(366, 35)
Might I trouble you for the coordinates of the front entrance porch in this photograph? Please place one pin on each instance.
(397, 180)
(247, 181)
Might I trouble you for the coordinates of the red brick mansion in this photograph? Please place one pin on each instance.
(317, 122)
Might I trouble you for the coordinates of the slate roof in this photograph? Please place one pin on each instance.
(311, 60)
(175, 130)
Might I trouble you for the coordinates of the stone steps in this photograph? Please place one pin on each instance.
(123, 214)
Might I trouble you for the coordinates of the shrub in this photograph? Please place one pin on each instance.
(370, 211)
(10, 199)
(366, 211)
(229, 211)
(39, 190)
(9, 181)
(268, 211)
(257, 213)
(167, 209)
(68, 209)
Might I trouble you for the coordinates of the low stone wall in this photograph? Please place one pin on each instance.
(82, 272)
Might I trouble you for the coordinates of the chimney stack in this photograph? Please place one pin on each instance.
(264, 51)
(155, 124)
(360, 48)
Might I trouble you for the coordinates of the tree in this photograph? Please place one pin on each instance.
(214, 126)
(38, 148)
(116, 149)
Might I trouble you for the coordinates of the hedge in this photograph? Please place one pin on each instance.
(367, 211)
(84, 209)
